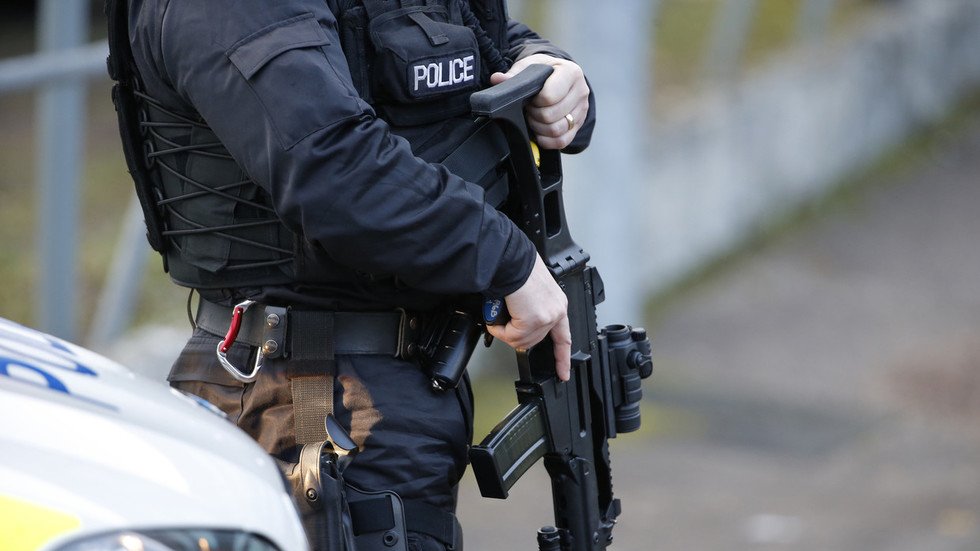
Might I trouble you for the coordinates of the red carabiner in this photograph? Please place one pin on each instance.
(236, 325)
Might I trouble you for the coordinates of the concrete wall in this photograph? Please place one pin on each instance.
(728, 163)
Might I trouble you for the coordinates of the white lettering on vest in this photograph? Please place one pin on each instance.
(446, 72)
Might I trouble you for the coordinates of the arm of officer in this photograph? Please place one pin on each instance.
(272, 83)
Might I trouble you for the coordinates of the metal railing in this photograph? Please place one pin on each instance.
(59, 71)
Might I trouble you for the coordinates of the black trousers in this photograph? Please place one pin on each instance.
(412, 439)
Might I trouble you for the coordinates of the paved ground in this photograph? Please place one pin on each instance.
(823, 394)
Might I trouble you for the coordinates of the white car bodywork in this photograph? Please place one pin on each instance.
(88, 447)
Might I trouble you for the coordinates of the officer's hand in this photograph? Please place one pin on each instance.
(564, 93)
(537, 309)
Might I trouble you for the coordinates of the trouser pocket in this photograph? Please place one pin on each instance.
(197, 371)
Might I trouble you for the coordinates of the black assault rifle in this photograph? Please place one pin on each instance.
(568, 424)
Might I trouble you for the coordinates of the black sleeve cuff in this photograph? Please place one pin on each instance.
(517, 260)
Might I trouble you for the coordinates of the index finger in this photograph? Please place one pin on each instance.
(519, 66)
(561, 336)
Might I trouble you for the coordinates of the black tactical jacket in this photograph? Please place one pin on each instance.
(395, 230)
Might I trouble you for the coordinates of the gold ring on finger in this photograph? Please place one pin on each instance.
(571, 122)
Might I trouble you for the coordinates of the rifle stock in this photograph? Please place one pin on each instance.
(567, 424)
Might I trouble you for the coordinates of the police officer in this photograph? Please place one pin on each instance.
(293, 171)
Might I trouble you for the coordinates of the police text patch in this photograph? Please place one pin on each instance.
(446, 73)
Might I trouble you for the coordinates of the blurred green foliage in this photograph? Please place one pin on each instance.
(684, 28)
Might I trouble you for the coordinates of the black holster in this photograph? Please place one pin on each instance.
(325, 503)
(318, 491)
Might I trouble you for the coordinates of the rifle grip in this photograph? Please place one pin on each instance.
(492, 101)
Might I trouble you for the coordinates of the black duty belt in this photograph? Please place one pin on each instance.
(314, 334)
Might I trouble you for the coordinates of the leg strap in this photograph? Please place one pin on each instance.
(312, 401)
(426, 519)
(377, 514)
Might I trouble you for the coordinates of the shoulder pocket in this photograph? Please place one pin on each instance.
(252, 52)
(298, 73)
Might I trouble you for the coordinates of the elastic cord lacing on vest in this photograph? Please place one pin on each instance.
(207, 150)
(491, 55)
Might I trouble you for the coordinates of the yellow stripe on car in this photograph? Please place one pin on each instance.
(26, 526)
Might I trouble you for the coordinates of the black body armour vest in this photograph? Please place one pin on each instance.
(415, 61)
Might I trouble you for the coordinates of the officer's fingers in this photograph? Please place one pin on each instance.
(561, 336)
(559, 143)
(553, 113)
(530, 328)
(534, 308)
(558, 135)
(517, 67)
(566, 78)
(556, 127)
(552, 124)
(517, 336)
(576, 100)
(521, 336)
(552, 130)
(558, 85)
(500, 332)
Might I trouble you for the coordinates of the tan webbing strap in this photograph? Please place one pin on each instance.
(312, 401)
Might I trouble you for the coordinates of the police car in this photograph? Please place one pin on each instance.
(94, 457)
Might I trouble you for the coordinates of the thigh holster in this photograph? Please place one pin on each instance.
(318, 490)
(340, 517)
